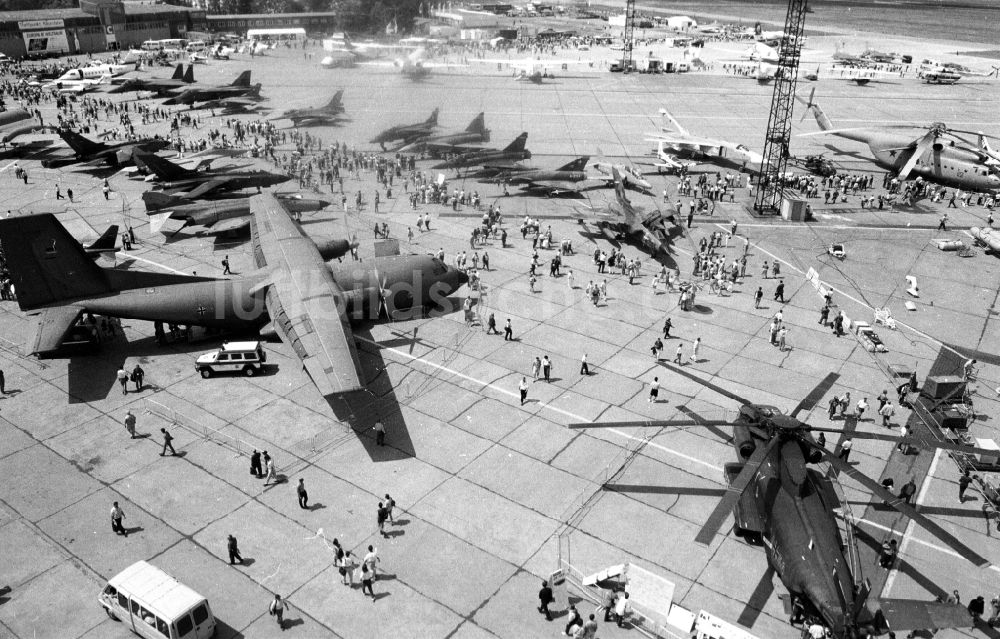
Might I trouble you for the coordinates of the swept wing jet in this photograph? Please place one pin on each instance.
(647, 230)
(240, 87)
(194, 184)
(460, 142)
(318, 116)
(495, 157)
(408, 133)
(224, 215)
(160, 86)
(679, 142)
(569, 178)
(96, 153)
(940, 155)
(308, 300)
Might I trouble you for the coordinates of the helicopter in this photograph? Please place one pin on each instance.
(782, 501)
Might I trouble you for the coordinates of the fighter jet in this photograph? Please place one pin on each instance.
(309, 300)
(679, 143)
(569, 178)
(461, 142)
(160, 86)
(508, 155)
(195, 184)
(622, 219)
(225, 215)
(240, 87)
(328, 114)
(97, 153)
(408, 133)
(940, 155)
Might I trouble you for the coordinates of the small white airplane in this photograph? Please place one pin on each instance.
(95, 71)
(677, 142)
(632, 177)
(77, 86)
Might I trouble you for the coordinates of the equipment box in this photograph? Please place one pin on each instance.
(944, 388)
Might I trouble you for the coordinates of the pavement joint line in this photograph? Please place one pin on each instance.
(125, 254)
(545, 405)
(908, 531)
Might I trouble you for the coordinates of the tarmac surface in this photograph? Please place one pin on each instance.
(489, 493)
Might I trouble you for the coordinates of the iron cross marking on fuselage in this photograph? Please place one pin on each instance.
(201, 310)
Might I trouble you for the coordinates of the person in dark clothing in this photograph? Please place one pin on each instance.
(234, 551)
(908, 490)
(544, 599)
(977, 607)
(255, 469)
(779, 292)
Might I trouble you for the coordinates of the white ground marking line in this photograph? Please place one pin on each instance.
(908, 533)
(545, 405)
(8, 166)
(849, 296)
(156, 264)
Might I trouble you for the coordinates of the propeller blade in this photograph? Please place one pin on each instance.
(922, 146)
(902, 507)
(816, 394)
(664, 490)
(651, 423)
(707, 384)
(733, 493)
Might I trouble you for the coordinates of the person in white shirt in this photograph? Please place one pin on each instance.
(654, 389)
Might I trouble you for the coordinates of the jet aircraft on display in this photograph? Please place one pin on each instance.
(240, 87)
(679, 143)
(569, 178)
(100, 153)
(508, 156)
(195, 184)
(297, 291)
(461, 142)
(222, 215)
(328, 114)
(160, 86)
(407, 133)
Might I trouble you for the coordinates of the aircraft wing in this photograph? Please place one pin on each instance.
(306, 305)
(565, 186)
(231, 225)
(205, 187)
(913, 614)
(53, 324)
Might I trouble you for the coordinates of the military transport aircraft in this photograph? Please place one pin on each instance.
(679, 143)
(648, 231)
(462, 142)
(224, 215)
(194, 184)
(101, 153)
(407, 133)
(940, 155)
(160, 86)
(328, 114)
(240, 87)
(509, 154)
(779, 500)
(297, 292)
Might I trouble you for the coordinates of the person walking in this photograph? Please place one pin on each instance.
(694, 350)
(381, 515)
(782, 337)
(523, 389)
(390, 503)
(234, 551)
(862, 406)
(137, 377)
(272, 475)
(903, 446)
(277, 609)
(779, 292)
(255, 464)
(130, 423)
(570, 279)
(654, 390)
(167, 443)
(544, 599)
(536, 366)
(546, 368)
(303, 495)
(117, 515)
(963, 485)
(379, 433)
(225, 266)
(589, 629)
(758, 296)
(508, 332)
(908, 490)
(123, 380)
(679, 354)
(584, 368)
(887, 411)
(667, 325)
(3, 383)
(656, 348)
(845, 450)
(366, 581)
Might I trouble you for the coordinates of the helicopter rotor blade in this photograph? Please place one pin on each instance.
(816, 394)
(707, 384)
(709, 425)
(922, 146)
(917, 443)
(902, 507)
(651, 423)
(725, 506)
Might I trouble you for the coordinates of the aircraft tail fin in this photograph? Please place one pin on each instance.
(434, 118)
(164, 168)
(81, 145)
(46, 263)
(178, 72)
(189, 74)
(985, 148)
(620, 191)
(107, 240)
(156, 201)
(335, 101)
(517, 144)
(243, 80)
(677, 125)
(255, 90)
(578, 164)
(824, 122)
(478, 124)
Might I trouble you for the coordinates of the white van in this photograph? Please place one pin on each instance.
(234, 357)
(157, 606)
(196, 46)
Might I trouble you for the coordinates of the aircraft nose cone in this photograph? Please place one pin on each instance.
(323, 204)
